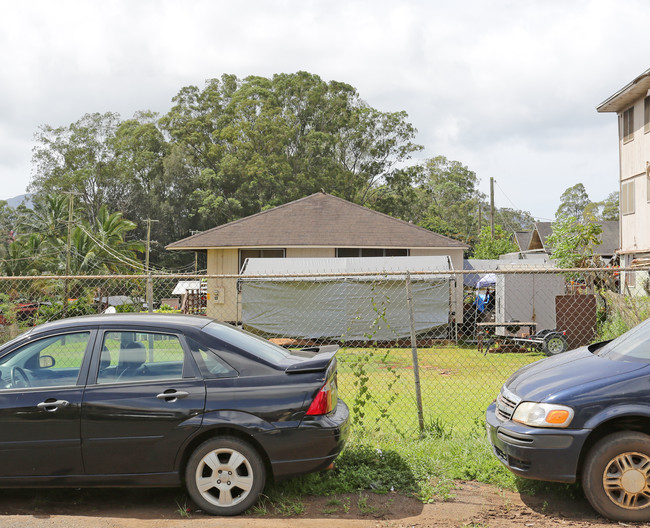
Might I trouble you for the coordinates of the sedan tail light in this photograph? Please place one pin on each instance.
(326, 398)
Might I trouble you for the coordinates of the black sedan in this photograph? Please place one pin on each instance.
(157, 400)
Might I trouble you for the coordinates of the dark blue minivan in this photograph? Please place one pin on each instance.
(585, 415)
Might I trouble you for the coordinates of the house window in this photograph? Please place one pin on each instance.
(646, 115)
(627, 197)
(259, 253)
(628, 125)
(371, 252)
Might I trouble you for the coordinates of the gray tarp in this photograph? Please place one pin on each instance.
(353, 307)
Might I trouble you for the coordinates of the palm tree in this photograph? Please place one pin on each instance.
(106, 246)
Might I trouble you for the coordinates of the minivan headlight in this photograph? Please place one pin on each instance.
(543, 414)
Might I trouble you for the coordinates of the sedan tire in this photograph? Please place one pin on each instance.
(225, 476)
(616, 476)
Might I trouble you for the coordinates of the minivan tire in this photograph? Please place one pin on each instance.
(622, 460)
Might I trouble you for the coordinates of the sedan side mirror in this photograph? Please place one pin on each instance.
(46, 362)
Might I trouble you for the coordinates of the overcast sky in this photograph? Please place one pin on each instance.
(508, 88)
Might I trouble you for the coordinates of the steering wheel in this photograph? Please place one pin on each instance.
(15, 378)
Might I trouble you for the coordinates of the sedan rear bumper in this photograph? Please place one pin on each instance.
(312, 446)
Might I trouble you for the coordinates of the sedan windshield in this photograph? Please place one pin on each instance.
(633, 345)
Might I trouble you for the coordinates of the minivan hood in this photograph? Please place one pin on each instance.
(540, 380)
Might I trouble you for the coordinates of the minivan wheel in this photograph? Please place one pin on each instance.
(616, 476)
(225, 476)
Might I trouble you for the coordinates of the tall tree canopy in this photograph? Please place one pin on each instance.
(452, 199)
(573, 202)
(259, 142)
(229, 150)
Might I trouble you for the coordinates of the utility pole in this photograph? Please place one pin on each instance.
(492, 206)
(69, 240)
(146, 260)
(196, 253)
(68, 246)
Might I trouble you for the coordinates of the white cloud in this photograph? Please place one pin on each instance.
(509, 88)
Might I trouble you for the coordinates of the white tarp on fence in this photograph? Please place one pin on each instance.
(354, 307)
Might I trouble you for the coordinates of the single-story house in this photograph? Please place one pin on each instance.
(317, 226)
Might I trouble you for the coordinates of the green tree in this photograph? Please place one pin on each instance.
(489, 247)
(514, 219)
(573, 242)
(98, 247)
(116, 253)
(610, 207)
(573, 202)
(452, 192)
(79, 158)
(23, 256)
(604, 210)
(262, 142)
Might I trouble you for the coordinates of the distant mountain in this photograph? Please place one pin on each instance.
(17, 200)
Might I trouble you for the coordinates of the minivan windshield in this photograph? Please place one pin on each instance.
(633, 345)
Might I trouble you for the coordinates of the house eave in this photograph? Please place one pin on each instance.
(285, 246)
(627, 95)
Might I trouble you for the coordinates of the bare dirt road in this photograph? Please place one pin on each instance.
(473, 506)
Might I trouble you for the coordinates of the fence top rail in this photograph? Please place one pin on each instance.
(450, 273)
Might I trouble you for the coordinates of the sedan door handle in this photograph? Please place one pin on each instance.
(172, 395)
(52, 406)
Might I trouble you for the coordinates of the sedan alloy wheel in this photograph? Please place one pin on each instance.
(225, 476)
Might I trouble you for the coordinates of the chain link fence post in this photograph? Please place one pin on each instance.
(414, 352)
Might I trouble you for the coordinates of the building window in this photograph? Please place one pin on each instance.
(628, 125)
(627, 197)
(646, 114)
(371, 252)
(259, 253)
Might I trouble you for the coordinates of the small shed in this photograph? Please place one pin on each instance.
(529, 295)
(355, 299)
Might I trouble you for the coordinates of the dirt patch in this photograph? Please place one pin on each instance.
(473, 505)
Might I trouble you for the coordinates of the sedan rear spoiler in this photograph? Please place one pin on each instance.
(320, 362)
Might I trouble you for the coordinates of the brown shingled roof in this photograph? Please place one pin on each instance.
(319, 220)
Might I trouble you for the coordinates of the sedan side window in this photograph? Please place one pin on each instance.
(51, 362)
(140, 356)
(210, 364)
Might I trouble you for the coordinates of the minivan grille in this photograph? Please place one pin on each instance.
(506, 403)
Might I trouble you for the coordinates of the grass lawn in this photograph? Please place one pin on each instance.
(456, 384)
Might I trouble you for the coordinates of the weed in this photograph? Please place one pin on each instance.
(443, 489)
(260, 507)
(290, 508)
(279, 503)
(183, 510)
(426, 492)
(364, 507)
(438, 429)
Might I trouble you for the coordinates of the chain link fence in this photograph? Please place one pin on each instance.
(420, 351)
